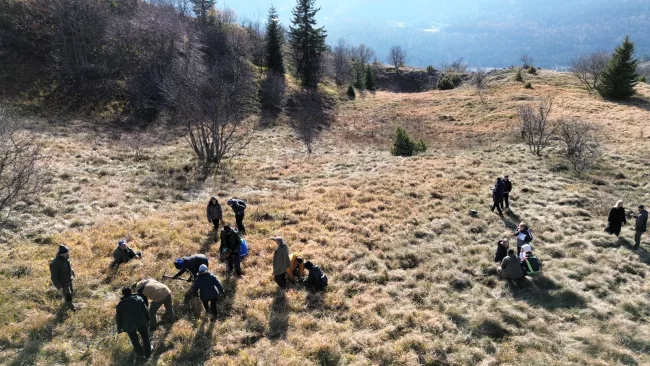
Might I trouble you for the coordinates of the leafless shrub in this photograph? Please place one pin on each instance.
(480, 82)
(342, 62)
(308, 115)
(536, 126)
(581, 144)
(588, 68)
(397, 57)
(459, 65)
(363, 53)
(19, 170)
(526, 61)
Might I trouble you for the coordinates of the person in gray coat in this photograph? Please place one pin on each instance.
(510, 268)
(214, 213)
(641, 226)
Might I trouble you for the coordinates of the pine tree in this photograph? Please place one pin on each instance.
(619, 77)
(274, 42)
(358, 72)
(202, 7)
(307, 43)
(370, 78)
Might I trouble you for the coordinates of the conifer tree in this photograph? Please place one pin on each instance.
(307, 43)
(619, 77)
(274, 42)
(202, 7)
(359, 71)
(370, 78)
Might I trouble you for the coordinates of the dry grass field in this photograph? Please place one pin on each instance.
(412, 280)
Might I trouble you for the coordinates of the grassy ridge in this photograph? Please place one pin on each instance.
(411, 276)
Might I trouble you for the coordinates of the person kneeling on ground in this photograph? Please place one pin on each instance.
(190, 264)
(132, 317)
(502, 250)
(531, 264)
(123, 254)
(510, 268)
(210, 288)
(230, 248)
(159, 295)
(316, 281)
(296, 270)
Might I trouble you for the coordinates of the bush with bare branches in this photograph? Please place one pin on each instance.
(459, 65)
(588, 68)
(397, 57)
(581, 143)
(480, 82)
(536, 126)
(526, 61)
(19, 169)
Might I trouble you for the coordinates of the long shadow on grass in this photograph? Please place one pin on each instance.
(226, 304)
(38, 338)
(199, 351)
(213, 238)
(636, 101)
(279, 316)
(159, 344)
(543, 292)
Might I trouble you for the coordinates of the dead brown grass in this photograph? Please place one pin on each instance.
(412, 281)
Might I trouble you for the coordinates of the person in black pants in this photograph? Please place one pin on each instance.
(214, 213)
(210, 288)
(497, 196)
(507, 189)
(132, 317)
(230, 249)
(239, 207)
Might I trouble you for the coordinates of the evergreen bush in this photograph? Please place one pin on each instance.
(404, 146)
(351, 92)
(619, 77)
(518, 76)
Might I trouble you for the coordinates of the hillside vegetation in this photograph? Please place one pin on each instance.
(412, 280)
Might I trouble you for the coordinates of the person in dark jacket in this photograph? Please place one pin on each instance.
(230, 248)
(214, 213)
(616, 219)
(62, 274)
(239, 207)
(123, 254)
(190, 264)
(511, 267)
(497, 196)
(524, 235)
(507, 185)
(132, 317)
(210, 288)
(316, 280)
(502, 250)
(641, 226)
(531, 264)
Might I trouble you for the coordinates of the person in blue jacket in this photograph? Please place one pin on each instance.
(210, 289)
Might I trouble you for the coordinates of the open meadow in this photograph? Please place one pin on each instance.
(411, 275)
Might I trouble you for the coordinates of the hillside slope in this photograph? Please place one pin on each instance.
(411, 274)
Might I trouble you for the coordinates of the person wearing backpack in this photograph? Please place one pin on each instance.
(230, 248)
(210, 289)
(239, 208)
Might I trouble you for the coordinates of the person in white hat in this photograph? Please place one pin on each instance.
(210, 288)
(281, 262)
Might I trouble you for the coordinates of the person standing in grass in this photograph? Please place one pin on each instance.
(159, 294)
(510, 268)
(230, 249)
(641, 226)
(497, 196)
(214, 213)
(506, 191)
(209, 286)
(281, 262)
(616, 219)
(123, 254)
(524, 235)
(239, 207)
(132, 317)
(62, 274)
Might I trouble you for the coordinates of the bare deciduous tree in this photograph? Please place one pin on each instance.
(309, 116)
(588, 68)
(19, 170)
(581, 144)
(342, 62)
(459, 65)
(480, 82)
(363, 54)
(526, 61)
(397, 57)
(536, 126)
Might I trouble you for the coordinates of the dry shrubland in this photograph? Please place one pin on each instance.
(411, 274)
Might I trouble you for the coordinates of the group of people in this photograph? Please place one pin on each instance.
(515, 265)
(140, 302)
(617, 218)
(501, 194)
